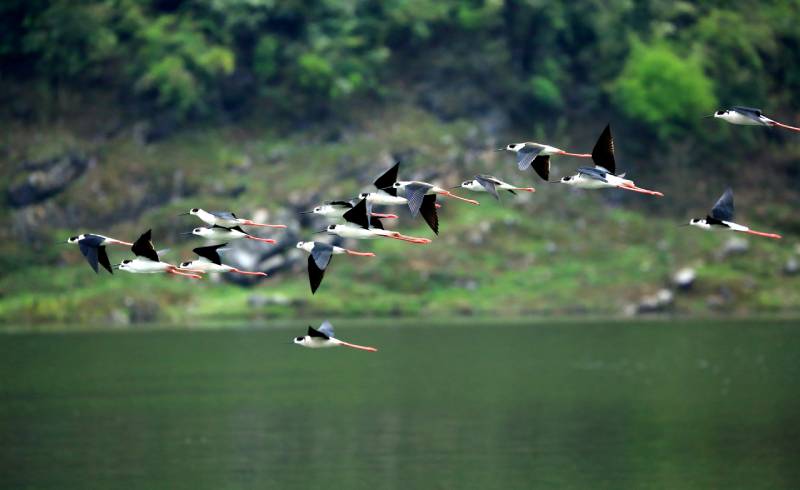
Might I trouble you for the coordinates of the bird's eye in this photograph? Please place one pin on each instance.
(719, 113)
(126, 261)
(196, 230)
(73, 239)
(299, 339)
(332, 227)
(194, 210)
(317, 209)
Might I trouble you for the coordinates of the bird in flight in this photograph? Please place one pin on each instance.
(721, 218)
(322, 337)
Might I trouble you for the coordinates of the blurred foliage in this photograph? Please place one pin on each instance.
(654, 61)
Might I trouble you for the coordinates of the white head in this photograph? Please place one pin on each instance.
(726, 114)
(515, 147)
(569, 180)
(302, 340)
(472, 185)
(75, 239)
(307, 246)
(333, 228)
(195, 211)
(364, 195)
(700, 223)
(202, 231)
(125, 264)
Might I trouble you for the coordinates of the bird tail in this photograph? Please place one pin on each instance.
(359, 347)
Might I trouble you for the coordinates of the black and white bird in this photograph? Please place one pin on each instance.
(147, 260)
(93, 248)
(412, 190)
(210, 261)
(335, 210)
(538, 156)
(217, 232)
(321, 254)
(491, 184)
(322, 337)
(603, 174)
(426, 206)
(361, 225)
(749, 116)
(721, 218)
(226, 219)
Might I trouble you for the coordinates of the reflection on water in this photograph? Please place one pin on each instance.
(650, 405)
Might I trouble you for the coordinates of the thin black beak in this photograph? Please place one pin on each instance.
(184, 214)
(708, 115)
(684, 224)
(324, 230)
(499, 149)
(116, 266)
(455, 187)
(188, 233)
(306, 212)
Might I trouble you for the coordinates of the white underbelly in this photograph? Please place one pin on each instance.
(743, 120)
(353, 232)
(587, 183)
(139, 266)
(387, 200)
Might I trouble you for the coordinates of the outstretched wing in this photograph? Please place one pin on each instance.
(428, 212)
(593, 173)
(322, 252)
(388, 178)
(102, 257)
(315, 274)
(541, 165)
(211, 253)
(723, 209)
(489, 184)
(415, 192)
(603, 152)
(143, 247)
(223, 215)
(313, 332)
(750, 112)
(526, 155)
(326, 328)
(90, 253)
(359, 215)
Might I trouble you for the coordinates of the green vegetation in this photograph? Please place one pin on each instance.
(257, 104)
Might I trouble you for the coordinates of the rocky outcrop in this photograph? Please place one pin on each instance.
(46, 179)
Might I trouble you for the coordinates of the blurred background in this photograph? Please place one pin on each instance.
(117, 115)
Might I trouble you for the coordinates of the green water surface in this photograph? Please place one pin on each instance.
(656, 405)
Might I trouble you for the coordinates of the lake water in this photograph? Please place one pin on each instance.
(656, 405)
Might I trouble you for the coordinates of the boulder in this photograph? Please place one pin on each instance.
(46, 179)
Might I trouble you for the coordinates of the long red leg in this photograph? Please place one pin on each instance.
(579, 155)
(761, 233)
(265, 240)
(640, 190)
(120, 242)
(450, 194)
(786, 126)
(524, 189)
(384, 215)
(359, 254)
(438, 205)
(178, 273)
(359, 347)
(398, 236)
(247, 222)
(249, 273)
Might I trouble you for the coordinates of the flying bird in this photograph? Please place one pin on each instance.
(321, 254)
(318, 338)
(412, 190)
(603, 174)
(748, 116)
(93, 248)
(721, 218)
(147, 260)
(426, 206)
(490, 184)
(335, 210)
(538, 155)
(217, 232)
(226, 219)
(361, 225)
(210, 261)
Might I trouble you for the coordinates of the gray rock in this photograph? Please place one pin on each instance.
(684, 278)
(791, 267)
(46, 179)
(734, 246)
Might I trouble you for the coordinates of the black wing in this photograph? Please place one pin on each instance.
(315, 274)
(210, 253)
(322, 253)
(488, 184)
(313, 332)
(102, 257)
(92, 240)
(90, 253)
(526, 155)
(415, 192)
(143, 247)
(359, 215)
(223, 215)
(749, 111)
(723, 209)
(388, 178)
(375, 222)
(238, 228)
(428, 212)
(603, 152)
(340, 204)
(593, 173)
(542, 166)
